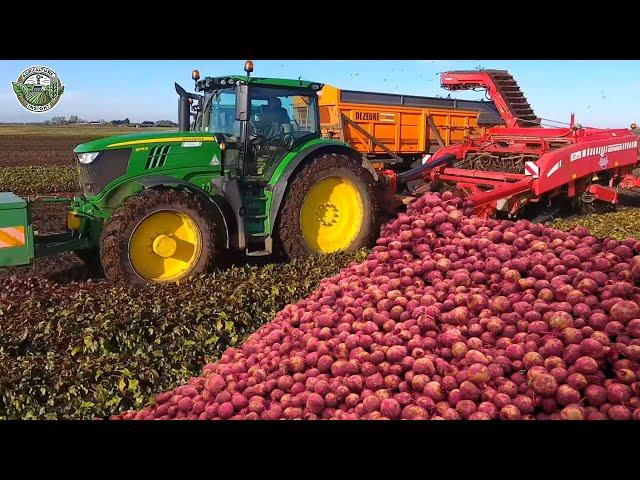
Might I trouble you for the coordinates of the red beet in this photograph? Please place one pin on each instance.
(572, 412)
(595, 395)
(624, 311)
(567, 395)
(586, 365)
(618, 393)
(545, 385)
(510, 412)
(390, 408)
(618, 412)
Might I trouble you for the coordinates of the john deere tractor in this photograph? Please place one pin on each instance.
(247, 171)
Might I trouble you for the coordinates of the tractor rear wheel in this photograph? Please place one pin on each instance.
(330, 206)
(158, 236)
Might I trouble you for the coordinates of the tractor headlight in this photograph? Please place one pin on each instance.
(87, 158)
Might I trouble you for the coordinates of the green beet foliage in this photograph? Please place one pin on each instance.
(81, 353)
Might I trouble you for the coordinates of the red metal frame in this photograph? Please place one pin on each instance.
(479, 79)
(603, 193)
(570, 158)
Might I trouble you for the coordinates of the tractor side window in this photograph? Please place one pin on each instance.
(223, 114)
(281, 118)
(284, 114)
(302, 111)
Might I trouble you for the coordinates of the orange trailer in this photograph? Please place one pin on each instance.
(391, 128)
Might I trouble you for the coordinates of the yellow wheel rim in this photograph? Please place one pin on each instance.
(165, 246)
(331, 215)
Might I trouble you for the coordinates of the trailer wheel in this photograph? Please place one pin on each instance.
(159, 236)
(330, 205)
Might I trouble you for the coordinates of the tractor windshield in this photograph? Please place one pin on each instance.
(218, 114)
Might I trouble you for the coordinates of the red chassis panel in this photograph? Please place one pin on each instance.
(562, 166)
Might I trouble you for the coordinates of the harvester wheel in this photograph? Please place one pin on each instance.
(330, 205)
(587, 203)
(598, 206)
(159, 236)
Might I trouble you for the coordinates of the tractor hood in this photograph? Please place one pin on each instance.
(120, 158)
(139, 139)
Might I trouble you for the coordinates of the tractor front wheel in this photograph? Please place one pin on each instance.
(329, 206)
(158, 236)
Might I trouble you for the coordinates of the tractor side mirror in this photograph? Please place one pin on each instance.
(242, 103)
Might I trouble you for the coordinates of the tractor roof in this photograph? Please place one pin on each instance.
(217, 82)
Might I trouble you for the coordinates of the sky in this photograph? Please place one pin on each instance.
(600, 93)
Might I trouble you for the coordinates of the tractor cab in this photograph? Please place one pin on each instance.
(259, 120)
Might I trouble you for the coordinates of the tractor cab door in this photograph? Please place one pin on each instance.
(279, 120)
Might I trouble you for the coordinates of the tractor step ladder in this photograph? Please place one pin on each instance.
(256, 223)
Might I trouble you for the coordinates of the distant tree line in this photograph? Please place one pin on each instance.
(64, 120)
(146, 123)
(125, 123)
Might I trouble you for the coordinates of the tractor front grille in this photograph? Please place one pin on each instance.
(108, 166)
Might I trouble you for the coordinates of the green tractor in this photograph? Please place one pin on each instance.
(247, 171)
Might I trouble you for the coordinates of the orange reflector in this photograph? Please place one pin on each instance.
(12, 236)
(73, 221)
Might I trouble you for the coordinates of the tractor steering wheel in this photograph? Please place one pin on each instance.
(252, 131)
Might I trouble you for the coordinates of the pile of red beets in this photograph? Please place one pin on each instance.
(450, 317)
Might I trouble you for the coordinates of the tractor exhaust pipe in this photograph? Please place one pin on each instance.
(184, 108)
(184, 114)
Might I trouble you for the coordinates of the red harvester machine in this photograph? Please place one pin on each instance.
(524, 163)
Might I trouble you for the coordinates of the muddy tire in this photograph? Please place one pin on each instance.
(327, 166)
(119, 229)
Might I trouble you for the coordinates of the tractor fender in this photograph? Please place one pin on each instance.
(279, 189)
(218, 201)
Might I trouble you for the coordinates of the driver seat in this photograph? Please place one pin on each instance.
(273, 123)
(279, 116)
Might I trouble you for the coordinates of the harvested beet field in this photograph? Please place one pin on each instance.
(85, 350)
(38, 150)
(450, 317)
(28, 145)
